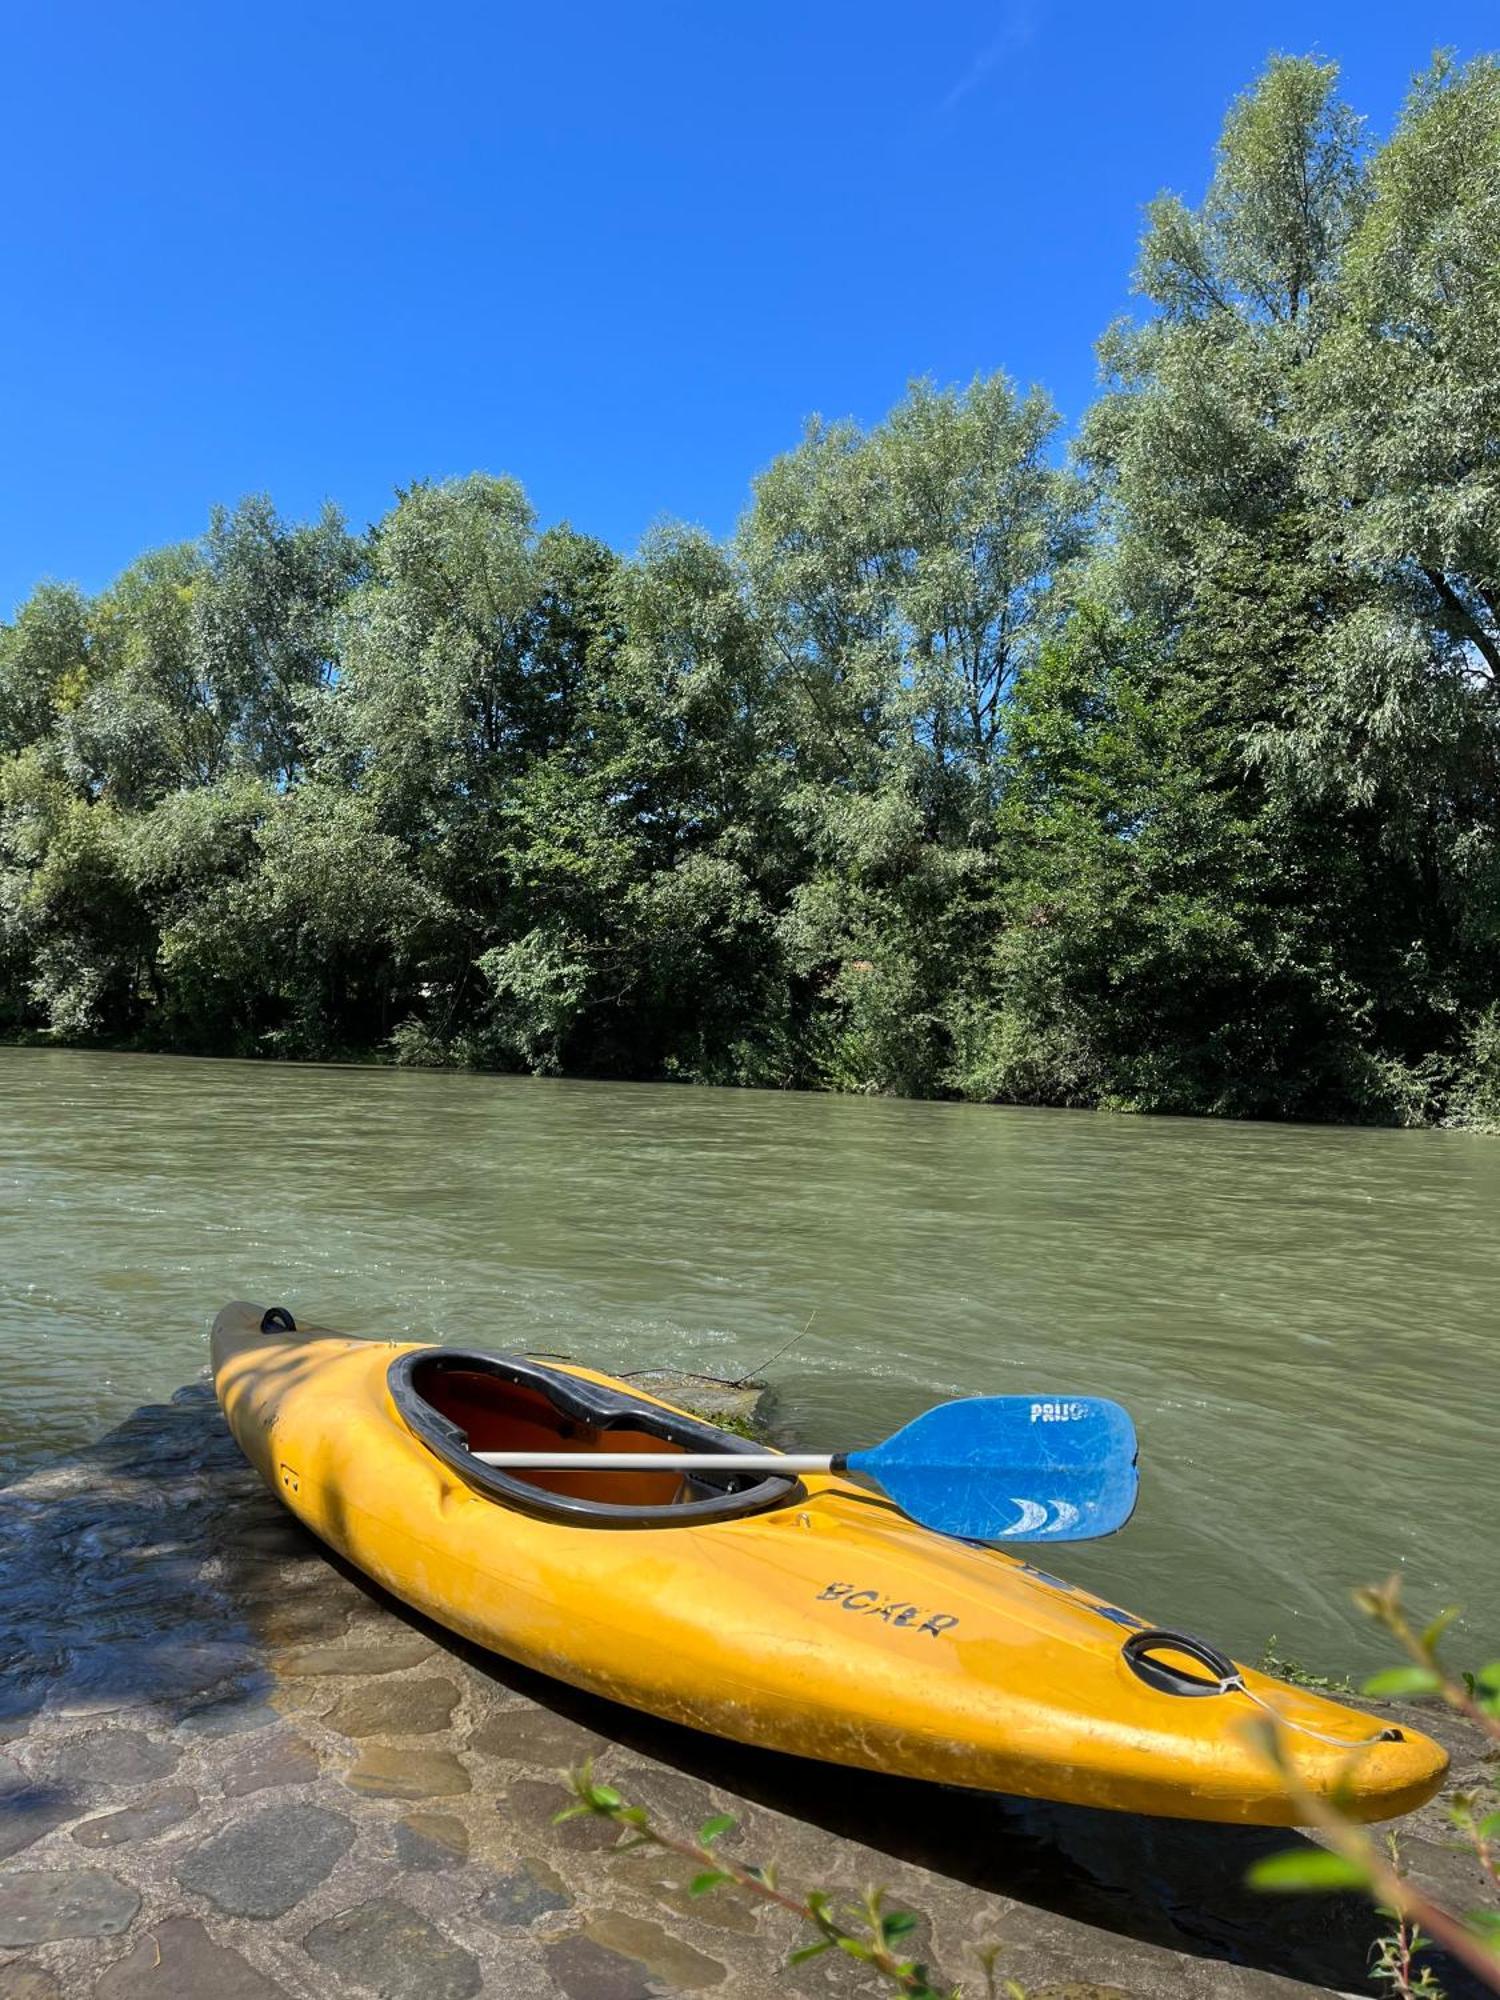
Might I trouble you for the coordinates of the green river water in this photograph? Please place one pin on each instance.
(1301, 1319)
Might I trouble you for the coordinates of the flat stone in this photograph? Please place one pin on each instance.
(387, 1771)
(382, 1656)
(395, 1708)
(431, 1840)
(584, 1970)
(532, 1891)
(153, 1815)
(392, 1950)
(312, 1618)
(288, 1759)
(106, 1674)
(1074, 1990)
(29, 1811)
(276, 1535)
(665, 1957)
(237, 1715)
(114, 1757)
(676, 1802)
(536, 1736)
(533, 1804)
(38, 1906)
(178, 1960)
(264, 1865)
(19, 1981)
(671, 1878)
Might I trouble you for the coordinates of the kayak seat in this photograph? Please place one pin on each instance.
(458, 1401)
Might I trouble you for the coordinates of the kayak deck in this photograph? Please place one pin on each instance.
(822, 1622)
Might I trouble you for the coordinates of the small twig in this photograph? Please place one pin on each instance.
(785, 1348)
(815, 1909)
(1383, 1603)
(1382, 1880)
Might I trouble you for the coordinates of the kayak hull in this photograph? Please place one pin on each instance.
(830, 1627)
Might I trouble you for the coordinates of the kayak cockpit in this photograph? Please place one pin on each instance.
(459, 1402)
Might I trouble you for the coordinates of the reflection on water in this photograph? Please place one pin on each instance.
(1302, 1319)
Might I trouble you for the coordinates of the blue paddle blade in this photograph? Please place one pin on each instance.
(1011, 1468)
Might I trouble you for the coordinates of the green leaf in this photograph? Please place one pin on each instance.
(711, 1829)
(1403, 1683)
(810, 1951)
(1440, 1625)
(1489, 1827)
(1300, 1868)
(605, 1796)
(1486, 1923)
(899, 1924)
(1489, 1677)
(709, 1879)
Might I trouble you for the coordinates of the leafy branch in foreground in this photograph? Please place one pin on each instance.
(1353, 1860)
(872, 1935)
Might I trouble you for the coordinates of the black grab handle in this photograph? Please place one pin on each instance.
(1140, 1647)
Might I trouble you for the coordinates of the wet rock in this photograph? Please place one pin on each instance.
(236, 1715)
(395, 1708)
(287, 1759)
(178, 1960)
(536, 1736)
(153, 1815)
(114, 1757)
(106, 1673)
(28, 1811)
(387, 1771)
(383, 1656)
(737, 1406)
(393, 1951)
(532, 1891)
(39, 1906)
(264, 1865)
(666, 1958)
(431, 1840)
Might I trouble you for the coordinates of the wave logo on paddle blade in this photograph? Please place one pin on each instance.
(1037, 1518)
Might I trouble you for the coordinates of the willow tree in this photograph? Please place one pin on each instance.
(903, 577)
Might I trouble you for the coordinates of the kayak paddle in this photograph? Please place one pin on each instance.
(986, 1469)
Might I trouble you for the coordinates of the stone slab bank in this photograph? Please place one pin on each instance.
(229, 1770)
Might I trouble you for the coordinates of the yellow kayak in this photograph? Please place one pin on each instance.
(803, 1614)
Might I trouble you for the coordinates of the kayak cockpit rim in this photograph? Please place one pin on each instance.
(458, 1401)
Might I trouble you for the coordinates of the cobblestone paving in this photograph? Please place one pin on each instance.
(231, 1771)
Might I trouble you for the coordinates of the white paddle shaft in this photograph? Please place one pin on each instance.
(656, 1461)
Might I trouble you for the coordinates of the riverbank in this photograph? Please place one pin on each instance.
(229, 1767)
(1412, 1114)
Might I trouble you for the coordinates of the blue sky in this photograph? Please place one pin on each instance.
(618, 251)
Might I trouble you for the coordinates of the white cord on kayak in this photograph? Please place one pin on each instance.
(1234, 1683)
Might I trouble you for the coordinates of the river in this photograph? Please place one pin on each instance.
(1302, 1319)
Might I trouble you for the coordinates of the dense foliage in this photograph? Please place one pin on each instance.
(1165, 777)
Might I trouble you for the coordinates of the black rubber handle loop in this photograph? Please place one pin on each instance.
(1140, 1647)
(276, 1319)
